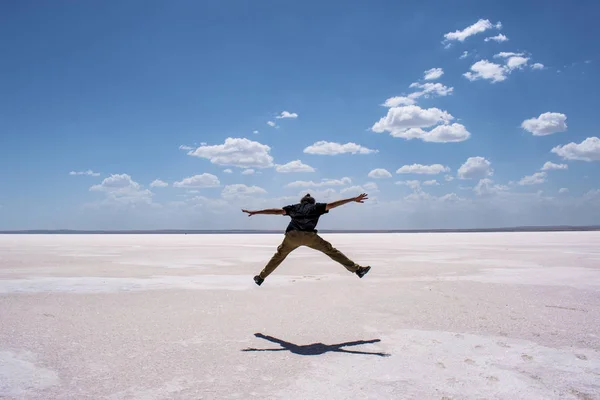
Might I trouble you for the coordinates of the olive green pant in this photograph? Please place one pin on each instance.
(295, 239)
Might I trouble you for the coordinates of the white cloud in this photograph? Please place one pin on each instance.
(432, 182)
(516, 62)
(356, 190)
(228, 171)
(324, 182)
(433, 74)
(413, 184)
(433, 169)
(451, 198)
(446, 133)
(248, 171)
(498, 38)
(294, 166)
(588, 150)
(379, 173)
(535, 179)
(88, 172)
(287, 114)
(465, 54)
(330, 148)
(508, 54)
(478, 27)
(484, 69)
(237, 152)
(255, 132)
(239, 191)
(398, 101)
(185, 147)
(546, 124)
(563, 190)
(537, 66)
(550, 166)
(198, 181)
(430, 89)
(399, 119)
(159, 183)
(120, 188)
(371, 186)
(272, 124)
(475, 168)
(448, 178)
(486, 186)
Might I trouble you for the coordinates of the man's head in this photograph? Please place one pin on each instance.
(307, 199)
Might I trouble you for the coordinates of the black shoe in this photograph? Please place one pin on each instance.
(258, 280)
(362, 271)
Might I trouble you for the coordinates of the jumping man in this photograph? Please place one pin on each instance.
(301, 232)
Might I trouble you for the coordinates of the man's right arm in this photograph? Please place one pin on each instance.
(357, 199)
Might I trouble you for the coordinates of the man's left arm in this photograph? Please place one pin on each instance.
(267, 211)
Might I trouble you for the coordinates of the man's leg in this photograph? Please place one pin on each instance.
(286, 247)
(318, 243)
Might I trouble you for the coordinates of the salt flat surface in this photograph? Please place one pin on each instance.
(440, 316)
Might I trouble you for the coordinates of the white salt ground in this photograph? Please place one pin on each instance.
(440, 316)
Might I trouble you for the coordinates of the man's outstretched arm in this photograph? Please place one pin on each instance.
(269, 211)
(358, 199)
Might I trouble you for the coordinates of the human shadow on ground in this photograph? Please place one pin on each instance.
(316, 349)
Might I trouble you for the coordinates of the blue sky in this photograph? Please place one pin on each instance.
(142, 115)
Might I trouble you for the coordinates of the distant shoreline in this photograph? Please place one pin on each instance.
(242, 231)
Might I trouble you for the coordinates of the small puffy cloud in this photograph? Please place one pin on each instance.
(486, 187)
(433, 169)
(325, 182)
(480, 26)
(331, 148)
(399, 119)
(413, 184)
(228, 171)
(430, 89)
(237, 152)
(433, 74)
(485, 69)
(450, 198)
(271, 124)
(446, 133)
(159, 183)
(535, 179)
(287, 114)
(398, 101)
(475, 168)
(120, 188)
(508, 54)
(255, 132)
(379, 173)
(248, 171)
(88, 173)
(448, 178)
(546, 124)
(432, 182)
(464, 55)
(516, 62)
(185, 147)
(356, 190)
(294, 166)
(537, 66)
(588, 150)
(115, 182)
(371, 186)
(563, 190)
(198, 181)
(237, 191)
(498, 38)
(551, 166)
